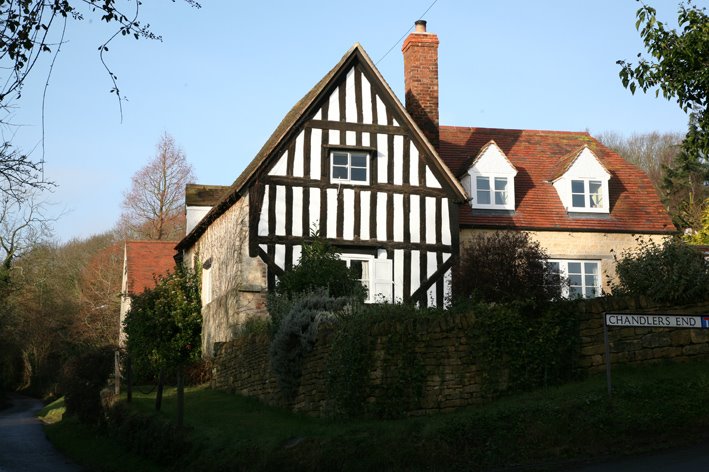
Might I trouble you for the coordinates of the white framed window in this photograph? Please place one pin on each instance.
(492, 191)
(583, 277)
(587, 194)
(375, 275)
(349, 167)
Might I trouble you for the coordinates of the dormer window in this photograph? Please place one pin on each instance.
(490, 180)
(586, 194)
(349, 167)
(581, 181)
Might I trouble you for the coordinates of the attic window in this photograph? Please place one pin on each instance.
(349, 167)
(587, 194)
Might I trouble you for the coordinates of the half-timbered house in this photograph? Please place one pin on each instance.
(397, 194)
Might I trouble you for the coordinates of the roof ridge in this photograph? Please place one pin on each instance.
(535, 131)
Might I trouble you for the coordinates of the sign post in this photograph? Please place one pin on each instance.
(647, 320)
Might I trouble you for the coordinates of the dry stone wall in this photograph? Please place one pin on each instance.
(449, 369)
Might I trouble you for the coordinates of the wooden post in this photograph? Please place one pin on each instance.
(608, 356)
(180, 397)
(117, 372)
(158, 394)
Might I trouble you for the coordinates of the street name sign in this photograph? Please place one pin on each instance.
(657, 320)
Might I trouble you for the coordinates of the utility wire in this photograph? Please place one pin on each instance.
(404, 35)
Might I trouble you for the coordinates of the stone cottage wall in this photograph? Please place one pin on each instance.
(451, 377)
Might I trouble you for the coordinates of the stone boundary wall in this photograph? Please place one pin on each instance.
(637, 345)
(450, 370)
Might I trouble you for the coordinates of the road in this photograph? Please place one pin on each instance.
(688, 459)
(23, 445)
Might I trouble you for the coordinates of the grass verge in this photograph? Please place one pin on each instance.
(652, 407)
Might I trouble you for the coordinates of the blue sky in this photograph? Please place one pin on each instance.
(224, 76)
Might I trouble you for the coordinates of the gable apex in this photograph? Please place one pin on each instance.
(582, 156)
(492, 156)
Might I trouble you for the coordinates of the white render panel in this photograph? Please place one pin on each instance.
(398, 275)
(297, 252)
(351, 138)
(263, 247)
(281, 167)
(318, 115)
(365, 139)
(381, 112)
(493, 161)
(431, 264)
(298, 155)
(263, 218)
(280, 210)
(280, 256)
(415, 271)
(315, 153)
(314, 210)
(431, 180)
(430, 220)
(366, 101)
(415, 219)
(334, 137)
(364, 215)
(381, 216)
(297, 229)
(431, 296)
(350, 104)
(333, 111)
(382, 158)
(447, 278)
(331, 213)
(399, 217)
(395, 123)
(398, 160)
(348, 220)
(445, 221)
(414, 165)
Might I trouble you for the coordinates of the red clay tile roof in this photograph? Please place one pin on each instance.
(145, 260)
(634, 204)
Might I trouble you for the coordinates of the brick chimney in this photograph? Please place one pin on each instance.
(421, 80)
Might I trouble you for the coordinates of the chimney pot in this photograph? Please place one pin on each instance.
(420, 26)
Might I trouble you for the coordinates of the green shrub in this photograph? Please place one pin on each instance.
(505, 266)
(296, 336)
(84, 376)
(517, 349)
(148, 435)
(672, 272)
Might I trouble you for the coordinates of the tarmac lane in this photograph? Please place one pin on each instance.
(23, 445)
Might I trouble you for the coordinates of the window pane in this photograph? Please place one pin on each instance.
(575, 280)
(591, 280)
(553, 267)
(339, 159)
(484, 197)
(577, 201)
(358, 174)
(356, 267)
(590, 267)
(500, 183)
(365, 273)
(574, 268)
(575, 292)
(500, 198)
(577, 186)
(339, 172)
(591, 292)
(594, 190)
(483, 183)
(359, 160)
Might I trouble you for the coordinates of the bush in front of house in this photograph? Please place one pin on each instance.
(672, 272)
(505, 266)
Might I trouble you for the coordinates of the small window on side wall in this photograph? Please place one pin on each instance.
(349, 167)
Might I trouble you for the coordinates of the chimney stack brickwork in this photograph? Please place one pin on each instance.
(420, 51)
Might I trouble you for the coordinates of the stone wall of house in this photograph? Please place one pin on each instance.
(451, 377)
(234, 284)
(580, 245)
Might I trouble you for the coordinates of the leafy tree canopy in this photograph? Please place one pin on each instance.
(678, 67)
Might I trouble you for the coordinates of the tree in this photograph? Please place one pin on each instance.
(164, 327)
(505, 266)
(679, 69)
(153, 208)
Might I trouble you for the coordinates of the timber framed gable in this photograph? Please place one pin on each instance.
(405, 212)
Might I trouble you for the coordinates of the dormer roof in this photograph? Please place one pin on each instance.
(491, 146)
(568, 161)
(539, 156)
